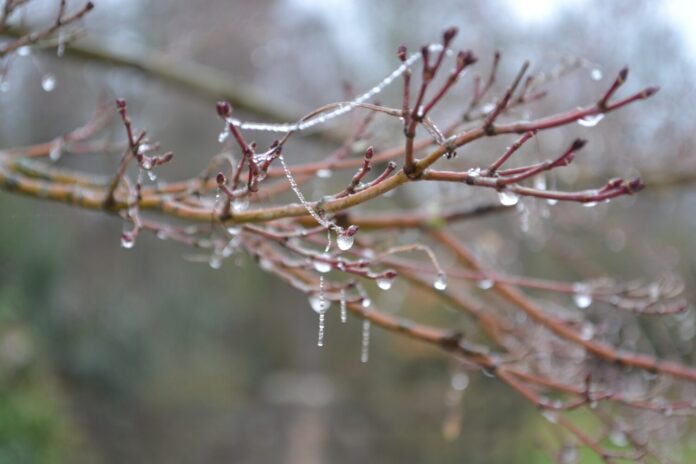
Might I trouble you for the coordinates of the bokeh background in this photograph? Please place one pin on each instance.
(110, 355)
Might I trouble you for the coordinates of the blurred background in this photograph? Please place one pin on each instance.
(110, 355)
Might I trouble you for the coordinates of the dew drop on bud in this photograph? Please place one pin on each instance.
(323, 266)
(324, 173)
(48, 82)
(385, 283)
(127, 240)
(484, 284)
(508, 198)
(591, 120)
(345, 241)
(441, 282)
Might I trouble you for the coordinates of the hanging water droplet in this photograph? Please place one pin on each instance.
(385, 283)
(508, 198)
(591, 120)
(152, 176)
(582, 296)
(366, 302)
(596, 74)
(441, 282)
(24, 51)
(48, 82)
(215, 262)
(587, 331)
(551, 201)
(240, 204)
(590, 204)
(460, 381)
(365, 346)
(485, 284)
(127, 240)
(324, 173)
(618, 438)
(322, 265)
(345, 241)
(319, 304)
(344, 307)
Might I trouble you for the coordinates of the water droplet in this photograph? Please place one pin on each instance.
(56, 151)
(441, 282)
(587, 331)
(48, 82)
(618, 438)
(551, 416)
(540, 182)
(127, 240)
(366, 302)
(582, 296)
(365, 345)
(215, 262)
(551, 201)
(24, 51)
(508, 198)
(162, 234)
(345, 242)
(234, 230)
(4, 86)
(324, 173)
(152, 176)
(596, 74)
(485, 284)
(474, 172)
(590, 204)
(385, 283)
(460, 381)
(319, 304)
(240, 204)
(344, 307)
(591, 120)
(224, 134)
(322, 265)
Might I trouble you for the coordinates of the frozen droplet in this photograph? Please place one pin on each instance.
(24, 51)
(56, 151)
(127, 240)
(233, 230)
(591, 120)
(224, 134)
(240, 204)
(344, 307)
(162, 234)
(322, 265)
(324, 173)
(460, 381)
(487, 108)
(152, 176)
(485, 284)
(508, 198)
(365, 345)
(551, 201)
(345, 241)
(385, 283)
(366, 302)
(474, 172)
(596, 74)
(319, 304)
(587, 331)
(48, 82)
(590, 204)
(551, 416)
(322, 325)
(618, 438)
(215, 262)
(441, 282)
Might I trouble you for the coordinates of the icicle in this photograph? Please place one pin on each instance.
(322, 311)
(301, 197)
(365, 346)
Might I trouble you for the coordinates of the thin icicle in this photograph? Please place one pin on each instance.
(322, 311)
(342, 108)
(365, 347)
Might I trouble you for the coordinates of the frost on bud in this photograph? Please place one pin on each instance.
(224, 109)
(401, 52)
